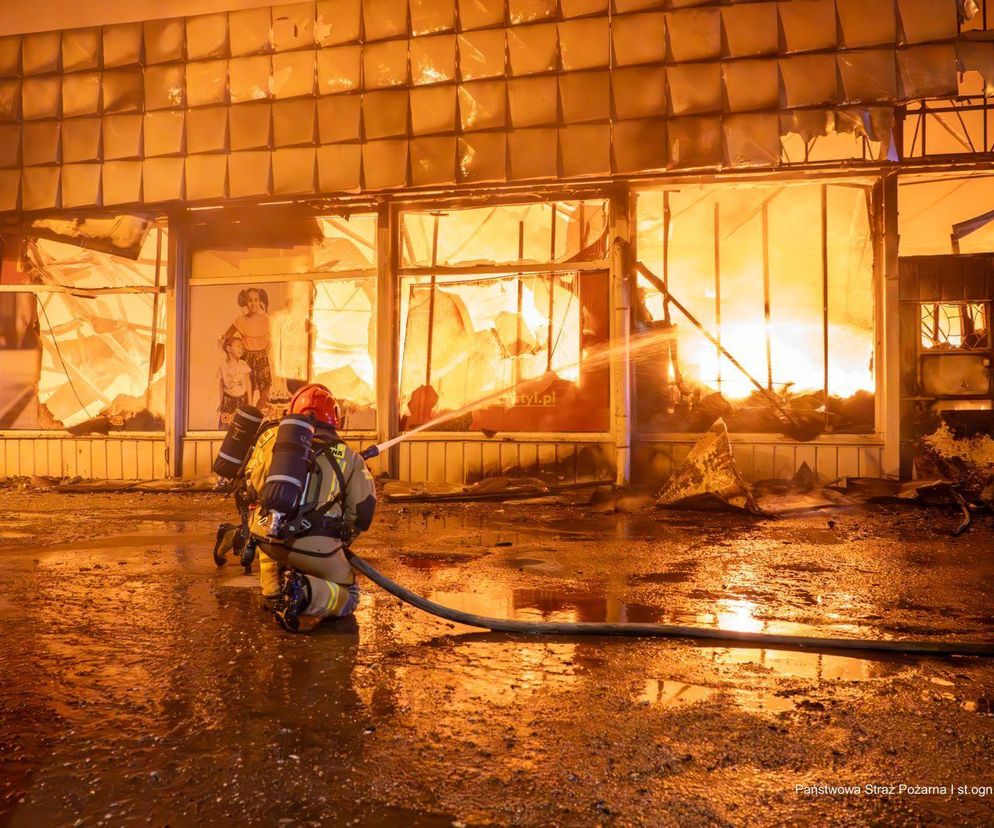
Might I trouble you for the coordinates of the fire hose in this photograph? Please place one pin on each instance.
(640, 630)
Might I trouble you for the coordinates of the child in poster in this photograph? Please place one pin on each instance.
(235, 377)
(254, 326)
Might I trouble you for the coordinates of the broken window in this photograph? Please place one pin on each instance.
(564, 231)
(505, 350)
(301, 307)
(82, 331)
(959, 326)
(755, 304)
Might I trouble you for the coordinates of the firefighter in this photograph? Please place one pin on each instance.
(308, 574)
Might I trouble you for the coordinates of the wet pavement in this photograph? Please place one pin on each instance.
(139, 684)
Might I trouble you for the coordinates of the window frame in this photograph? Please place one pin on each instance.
(515, 269)
(161, 290)
(374, 272)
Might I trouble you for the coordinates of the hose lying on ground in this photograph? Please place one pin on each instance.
(742, 639)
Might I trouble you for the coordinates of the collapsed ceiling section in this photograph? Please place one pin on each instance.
(366, 95)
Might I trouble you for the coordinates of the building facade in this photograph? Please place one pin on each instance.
(555, 239)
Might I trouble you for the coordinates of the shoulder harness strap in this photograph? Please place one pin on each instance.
(328, 451)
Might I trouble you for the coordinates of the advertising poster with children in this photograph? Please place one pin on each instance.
(249, 345)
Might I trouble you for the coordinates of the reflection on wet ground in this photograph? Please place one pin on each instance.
(140, 684)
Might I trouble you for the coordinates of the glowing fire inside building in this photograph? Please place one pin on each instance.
(545, 240)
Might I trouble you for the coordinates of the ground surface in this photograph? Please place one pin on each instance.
(140, 685)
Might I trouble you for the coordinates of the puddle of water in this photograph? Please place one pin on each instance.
(663, 693)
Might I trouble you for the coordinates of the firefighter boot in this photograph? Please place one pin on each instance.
(295, 595)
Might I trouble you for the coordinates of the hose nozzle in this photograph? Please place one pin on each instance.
(370, 452)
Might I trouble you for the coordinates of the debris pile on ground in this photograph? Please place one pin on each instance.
(708, 476)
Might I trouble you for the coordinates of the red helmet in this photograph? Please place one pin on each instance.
(318, 401)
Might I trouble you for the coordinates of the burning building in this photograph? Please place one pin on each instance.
(560, 239)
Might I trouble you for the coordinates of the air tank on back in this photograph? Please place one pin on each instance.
(238, 442)
(284, 486)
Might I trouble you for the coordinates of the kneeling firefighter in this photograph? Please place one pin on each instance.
(308, 496)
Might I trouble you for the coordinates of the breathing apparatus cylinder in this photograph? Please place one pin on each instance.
(284, 487)
(238, 442)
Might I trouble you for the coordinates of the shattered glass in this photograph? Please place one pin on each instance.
(67, 358)
(746, 263)
(518, 343)
(955, 326)
(562, 231)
